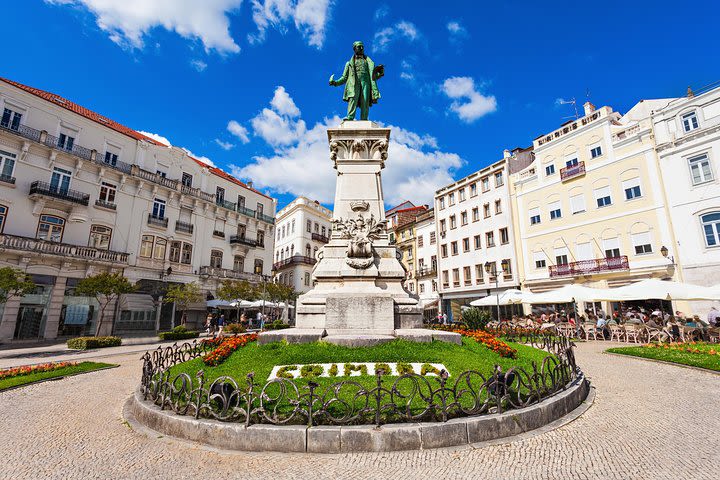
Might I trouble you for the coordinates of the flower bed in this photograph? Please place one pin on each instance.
(226, 347)
(490, 341)
(690, 347)
(30, 369)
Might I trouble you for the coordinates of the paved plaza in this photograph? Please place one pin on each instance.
(649, 420)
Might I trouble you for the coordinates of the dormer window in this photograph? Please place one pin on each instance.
(690, 122)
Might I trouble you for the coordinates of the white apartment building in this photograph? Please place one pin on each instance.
(427, 263)
(81, 194)
(687, 138)
(473, 218)
(303, 228)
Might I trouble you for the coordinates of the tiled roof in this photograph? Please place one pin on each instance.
(96, 117)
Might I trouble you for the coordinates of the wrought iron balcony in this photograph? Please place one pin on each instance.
(47, 190)
(218, 233)
(103, 159)
(266, 218)
(208, 271)
(294, 260)
(225, 204)
(320, 238)
(246, 211)
(426, 271)
(588, 267)
(104, 204)
(44, 247)
(573, 171)
(184, 227)
(238, 239)
(157, 221)
(7, 179)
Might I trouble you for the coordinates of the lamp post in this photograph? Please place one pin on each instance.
(491, 269)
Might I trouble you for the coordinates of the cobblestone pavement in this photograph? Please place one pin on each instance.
(649, 421)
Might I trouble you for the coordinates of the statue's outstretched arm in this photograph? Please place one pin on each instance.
(343, 79)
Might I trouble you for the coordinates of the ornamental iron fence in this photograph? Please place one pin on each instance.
(407, 398)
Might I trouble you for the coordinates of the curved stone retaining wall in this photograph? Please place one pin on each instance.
(361, 438)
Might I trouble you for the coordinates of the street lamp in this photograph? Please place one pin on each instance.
(491, 269)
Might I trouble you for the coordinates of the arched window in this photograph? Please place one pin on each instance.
(146, 246)
(50, 228)
(100, 237)
(308, 250)
(292, 249)
(216, 258)
(711, 228)
(258, 269)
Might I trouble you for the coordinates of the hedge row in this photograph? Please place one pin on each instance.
(178, 335)
(85, 343)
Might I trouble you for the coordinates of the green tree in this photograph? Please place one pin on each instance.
(106, 288)
(14, 282)
(183, 295)
(231, 290)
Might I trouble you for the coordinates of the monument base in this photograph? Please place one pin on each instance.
(357, 338)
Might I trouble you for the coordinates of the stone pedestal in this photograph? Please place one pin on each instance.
(358, 298)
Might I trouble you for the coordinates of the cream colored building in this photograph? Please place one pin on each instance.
(425, 274)
(303, 228)
(81, 194)
(590, 209)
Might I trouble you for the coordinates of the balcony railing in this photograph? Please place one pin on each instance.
(587, 267)
(25, 244)
(238, 239)
(294, 260)
(320, 238)
(155, 178)
(7, 179)
(47, 190)
(116, 164)
(196, 192)
(218, 233)
(225, 204)
(246, 211)
(225, 273)
(266, 218)
(157, 221)
(426, 271)
(104, 204)
(184, 227)
(573, 171)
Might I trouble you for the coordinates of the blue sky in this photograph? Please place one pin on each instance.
(244, 83)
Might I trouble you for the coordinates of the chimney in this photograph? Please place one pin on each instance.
(589, 108)
(506, 153)
(249, 184)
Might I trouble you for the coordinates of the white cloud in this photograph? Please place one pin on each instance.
(475, 105)
(415, 167)
(456, 30)
(309, 16)
(277, 125)
(128, 22)
(238, 130)
(224, 145)
(156, 137)
(198, 65)
(382, 12)
(386, 36)
(204, 160)
(283, 104)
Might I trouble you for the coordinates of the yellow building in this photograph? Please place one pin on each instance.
(590, 209)
(405, 240)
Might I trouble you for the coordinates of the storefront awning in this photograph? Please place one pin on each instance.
(136, 302)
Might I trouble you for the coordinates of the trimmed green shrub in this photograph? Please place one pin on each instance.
(179, 334)
(476, 319)
(384, 367)
(427, 368)
(284, 372)
(276, 325)
(333, 370)
(349, 368)
(404, 368)
(311, 371)
(85, 343)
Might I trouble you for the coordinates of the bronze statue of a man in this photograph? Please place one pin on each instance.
(359, 77)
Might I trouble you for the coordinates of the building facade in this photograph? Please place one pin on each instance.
(687, 137)
(590, 208)
(403, 234)
(303, 228)
(81, 194)
(473, 220)
(426, 263)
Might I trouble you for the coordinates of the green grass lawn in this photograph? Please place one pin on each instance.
(701, 360)
(83, 367)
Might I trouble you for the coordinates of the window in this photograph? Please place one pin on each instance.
(444, 250)
(534, 216)
(486, 210)
(595, 151)
(451, 199)
(7, 164)
(107, 192)
(539, 258)
(419, 240)
(475, 214)
(464, 218)
(60, 180)
(174, 255)
(466, 245)
(111, 158)
(323, 231)
(158, 208)
(611, 247)
(162, 173)
(66, 140)
(100, 237)
(498, 207)
(477, 242)
(499, 182)
(453, 222)
(571, 163)
(473, 189)
(421, 288)
(550, 169)
(441, 203)
(641, 242)
(433, 262)
(555, 211)
(456, 277)
(260, 210)
(461, 194)
(258, 267)
(216, 259)
(445, 279)
(577, 203)
(632, 188)
(454, 248)
(186, 255)
(238, 263)
(467, 276)
(561, 256)
(241, 229)
(584, 251)
(699, 169)
(146, 246)
(433, 238)
(485, 184)
(504, 236)
(186, 179)
(479, 271)
(711, 228)
(3, 217)
(308, 226)
(50, 228)
(261, 238)
(602, 197)
(11, 119)
(506, 267)
(219, 194)
(241, 201)
(160, 248)
(689, 121)
(490, 239)
(317, 227)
